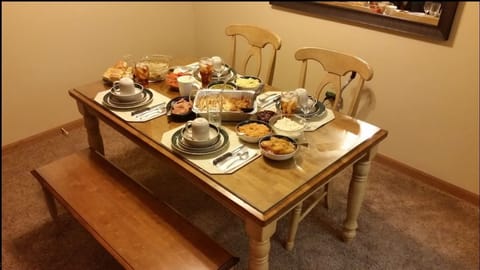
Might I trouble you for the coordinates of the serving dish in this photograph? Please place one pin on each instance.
(278, 147)
(236, 105)
(247, 82)
(179, 117)
(290, 125)
(251, 131)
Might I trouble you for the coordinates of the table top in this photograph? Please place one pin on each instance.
(263, 190)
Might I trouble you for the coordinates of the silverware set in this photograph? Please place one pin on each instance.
(149, 112)
(232, 159)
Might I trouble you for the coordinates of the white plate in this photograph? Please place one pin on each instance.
(110, 101)
(176, 144)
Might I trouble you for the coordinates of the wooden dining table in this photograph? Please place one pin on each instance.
(264, 190)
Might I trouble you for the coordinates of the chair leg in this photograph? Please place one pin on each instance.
(295, 220)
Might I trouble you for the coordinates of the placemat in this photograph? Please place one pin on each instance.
(205, 162)
(127, 114)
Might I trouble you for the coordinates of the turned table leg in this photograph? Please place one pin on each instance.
(356, 193)
(95, 140)
(259, 244)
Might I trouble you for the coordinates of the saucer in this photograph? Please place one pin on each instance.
(112, 102)
(121, 97)
(221, 145)
(213, 137)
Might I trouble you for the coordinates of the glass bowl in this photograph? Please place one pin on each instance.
(158, 66)
(290, 125)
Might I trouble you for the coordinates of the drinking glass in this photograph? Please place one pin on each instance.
(426, 7)
(214, 111)
(217, 63)
(435, 9)
(206, 70)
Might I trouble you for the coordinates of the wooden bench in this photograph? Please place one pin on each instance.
(138, 230)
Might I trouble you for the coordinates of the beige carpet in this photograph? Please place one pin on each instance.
(403, 223)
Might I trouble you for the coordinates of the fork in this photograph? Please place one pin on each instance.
(150, 113)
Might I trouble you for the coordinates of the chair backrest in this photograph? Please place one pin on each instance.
(257, 38)
(337, 67)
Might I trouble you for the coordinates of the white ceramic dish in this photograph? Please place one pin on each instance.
(213, 138)
(227, 115)
(296, 127)
(248, 138)
(273, 156)
(136, 95)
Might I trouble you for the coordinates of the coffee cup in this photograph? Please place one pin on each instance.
(198, 129)
(186, 83)
(125, 87)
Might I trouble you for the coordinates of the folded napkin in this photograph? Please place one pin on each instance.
(127, 114)
(205, 162)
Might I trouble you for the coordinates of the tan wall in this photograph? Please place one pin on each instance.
(51, 47)
(426, 93)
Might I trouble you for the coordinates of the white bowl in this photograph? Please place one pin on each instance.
(252, 135)
(288, 141)
(252, 83)
(290, 125)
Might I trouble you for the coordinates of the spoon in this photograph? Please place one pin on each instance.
(240, 156)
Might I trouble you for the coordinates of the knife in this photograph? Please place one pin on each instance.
(147, 109)
(227, 155)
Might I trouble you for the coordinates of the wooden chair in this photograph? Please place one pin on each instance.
(257, 38)
(343, 75)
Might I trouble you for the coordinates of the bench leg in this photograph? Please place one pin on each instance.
(259, 244)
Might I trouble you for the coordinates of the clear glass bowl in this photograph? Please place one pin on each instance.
(290, 125)
(158, 66)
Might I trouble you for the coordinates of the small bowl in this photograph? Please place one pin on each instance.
(179, 117)
(251, 131)
(285, 147)
(290, 125)
(222, 85)
(247, 82)
(265, 115)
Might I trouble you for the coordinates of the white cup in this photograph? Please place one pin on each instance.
(199, 128)
(186, 83)
(126, 86)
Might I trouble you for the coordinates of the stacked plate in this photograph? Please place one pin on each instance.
(183, 143)
(139, 98)
(318, 110)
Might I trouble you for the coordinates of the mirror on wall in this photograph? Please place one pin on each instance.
(427, 19)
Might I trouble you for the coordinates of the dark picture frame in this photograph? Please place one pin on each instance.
(441, 31)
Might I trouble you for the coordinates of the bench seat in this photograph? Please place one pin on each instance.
(140, 231)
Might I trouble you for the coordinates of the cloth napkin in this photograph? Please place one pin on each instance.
(127, 114)
(205, 162)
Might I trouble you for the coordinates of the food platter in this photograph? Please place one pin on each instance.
(179, 145)
(110, 101)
